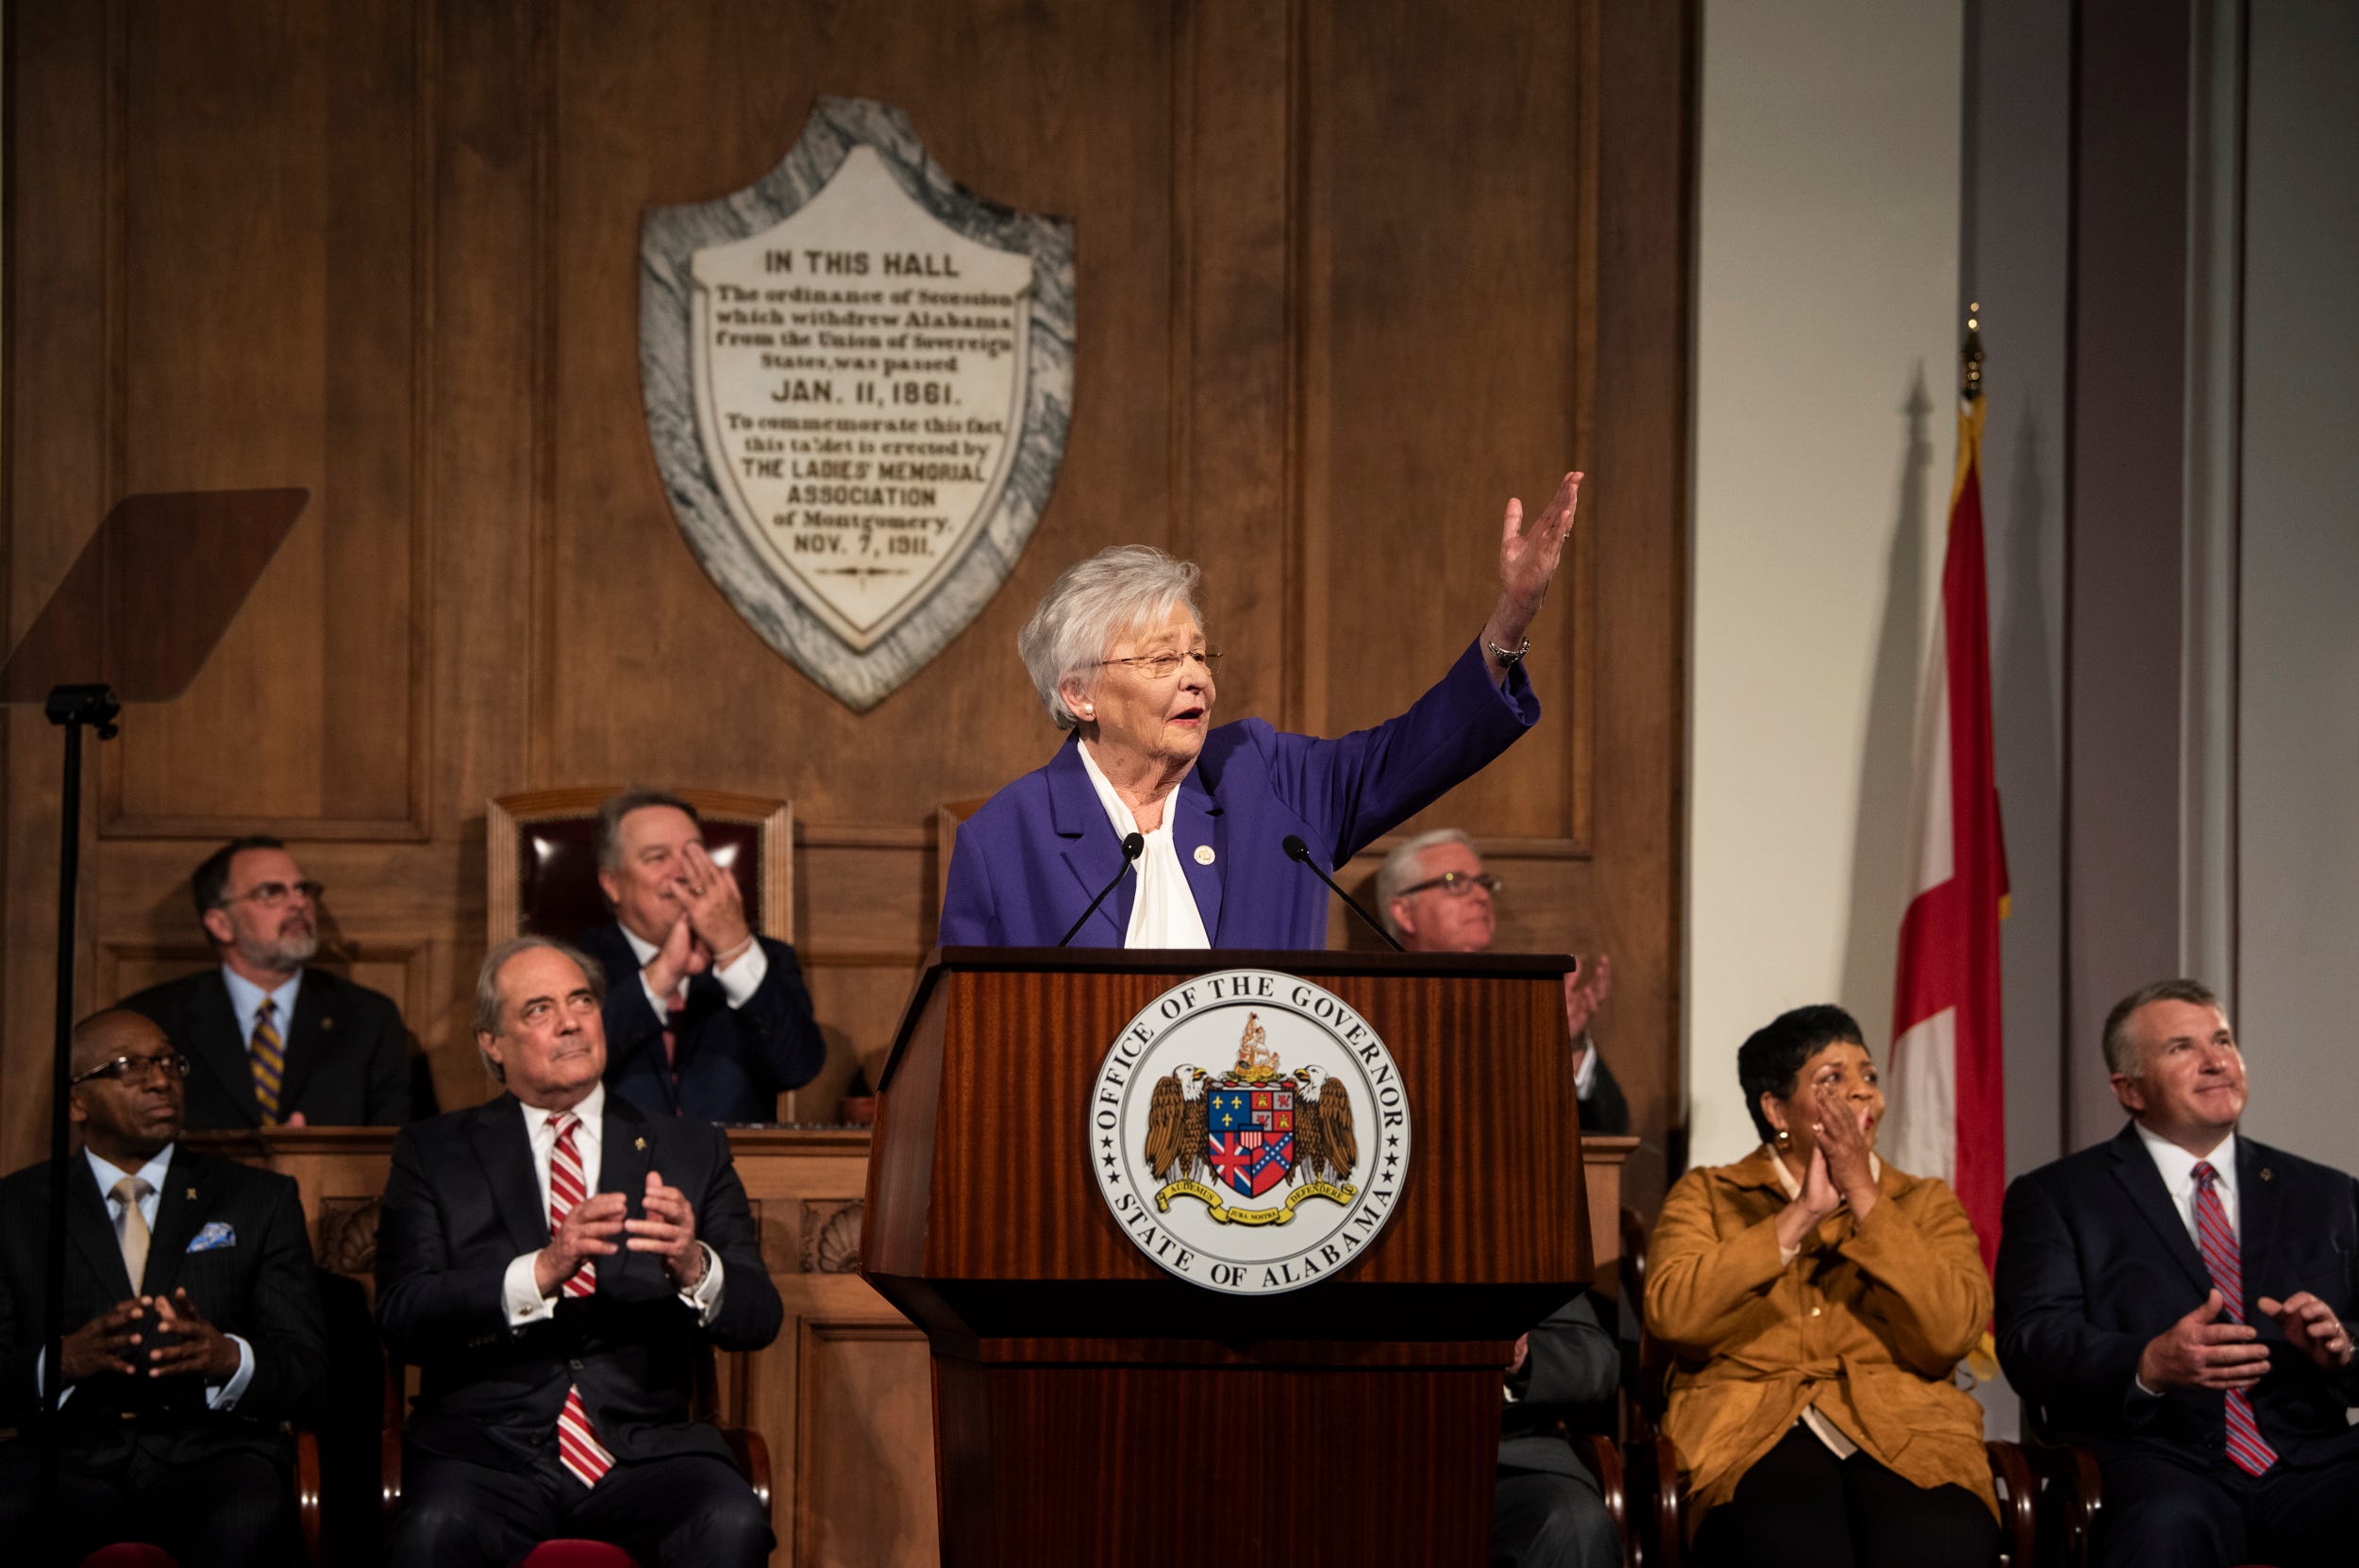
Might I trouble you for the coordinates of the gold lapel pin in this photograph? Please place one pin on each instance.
(327, 1024)
(191, 1194)
(2267, 1175)
(640, 1144)
(1204, 855)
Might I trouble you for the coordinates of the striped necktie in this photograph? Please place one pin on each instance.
(269, 1059)
(2219, 1241)
(578, 1445)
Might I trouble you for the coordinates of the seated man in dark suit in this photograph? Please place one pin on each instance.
(703, 1018)
(192, 1325)
(556, 1264)
(1435, 898)
(1547, 1512)
(2179, 1299)
(272, 1039)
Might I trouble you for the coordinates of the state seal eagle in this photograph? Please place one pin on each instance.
(1323, 1129)
(1176, 1120)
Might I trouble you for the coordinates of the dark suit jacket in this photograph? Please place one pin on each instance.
(347, 1054)
(1606, 1110)
(1030, 861)
(734, 1062)
(463, 1203)
(1572, 1363)
(260, 1287)
(2094, 1263)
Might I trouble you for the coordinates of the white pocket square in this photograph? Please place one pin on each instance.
(217, 1233)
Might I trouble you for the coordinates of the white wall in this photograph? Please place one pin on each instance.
(2298, 767)
(1827, 276)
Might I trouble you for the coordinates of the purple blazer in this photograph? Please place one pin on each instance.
(1030, 861)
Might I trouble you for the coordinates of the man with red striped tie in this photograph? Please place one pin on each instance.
(555, 1262)
(2179, 1300)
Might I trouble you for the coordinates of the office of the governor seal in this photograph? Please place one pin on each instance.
(1249, 1131)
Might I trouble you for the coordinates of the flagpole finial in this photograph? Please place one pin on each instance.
(1970, 355)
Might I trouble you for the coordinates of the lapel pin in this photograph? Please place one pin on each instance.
(639, 1143)
(191, 1194)
(1204, 855)
(327, 1024)
(2267, 1175)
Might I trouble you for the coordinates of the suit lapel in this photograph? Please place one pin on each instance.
(219, 1049)
(1091, 851)
(94, 1231)
(185, 1196)
(502, 1147)
(2135, 1169)
(1200, 830)
(2258, 1209)
(309, 1035)
(623, 1165)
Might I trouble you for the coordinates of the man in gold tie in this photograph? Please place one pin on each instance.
(193, 1325)
(271, 1038)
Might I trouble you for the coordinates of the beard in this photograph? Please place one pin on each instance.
(288, 950)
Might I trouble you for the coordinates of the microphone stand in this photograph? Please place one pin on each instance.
(1297, 850)
(1133, 845)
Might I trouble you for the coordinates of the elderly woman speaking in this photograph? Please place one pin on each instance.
(1117, 653)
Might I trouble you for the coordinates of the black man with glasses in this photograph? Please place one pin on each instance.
(193, 1326)
(273, 1039)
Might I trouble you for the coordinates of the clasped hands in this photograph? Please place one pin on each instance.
(2203, 1351)
(591, 1225)
(1839, 1172)
(110, 1341)
(711, 928)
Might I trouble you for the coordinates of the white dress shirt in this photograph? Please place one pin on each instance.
(739, 981)
(520, 1290)
(2178, 1172)
(1164, 913)
(246, 1000)
(218, 1397)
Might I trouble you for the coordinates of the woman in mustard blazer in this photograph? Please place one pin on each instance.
(1815, 1302)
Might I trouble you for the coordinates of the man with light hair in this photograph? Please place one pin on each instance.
(1435, 898)
(558, 1266)
(2179, 1299)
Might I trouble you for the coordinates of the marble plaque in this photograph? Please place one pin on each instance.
(858, 378)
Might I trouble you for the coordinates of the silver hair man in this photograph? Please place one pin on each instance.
(1092, 602)
(1400, 869)
(487, 987)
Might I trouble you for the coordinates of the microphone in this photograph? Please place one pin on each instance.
(1132, 847)
(1297, 850)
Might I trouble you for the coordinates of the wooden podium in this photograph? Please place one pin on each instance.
(1091, 1409)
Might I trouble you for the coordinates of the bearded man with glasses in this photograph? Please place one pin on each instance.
(193, 1321)
(273, 1040)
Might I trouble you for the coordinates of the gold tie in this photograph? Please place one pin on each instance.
(268, 1060)
(131, 1229)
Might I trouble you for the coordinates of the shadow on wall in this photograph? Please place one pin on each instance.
(1880, 851)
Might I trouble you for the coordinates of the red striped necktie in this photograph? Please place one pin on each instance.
(578, 1445)
(2219, 1241)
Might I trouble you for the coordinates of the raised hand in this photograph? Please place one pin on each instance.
(105, 1343)
(1842, 1138)
(1527, 563)
(669, 1231)
(1819, 1199)
(1585, 990)
(679, 956)
(715, 908)
(587, 1231)
(2199, 1352)
(200, 1347)
(2311, 1327)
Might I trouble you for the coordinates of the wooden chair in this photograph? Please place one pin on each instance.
(746, 1446)
(1653, 1468)
(2071, 1491)
(542, 865)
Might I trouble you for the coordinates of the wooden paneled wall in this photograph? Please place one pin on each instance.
(1350, 273)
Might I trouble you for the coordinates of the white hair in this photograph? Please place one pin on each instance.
(1092, 602)
(1400, 869)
